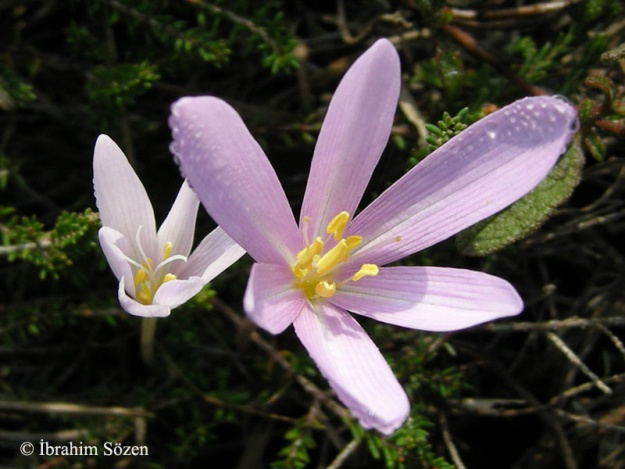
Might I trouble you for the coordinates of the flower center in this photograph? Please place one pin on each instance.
(149, 277)
(316, 265)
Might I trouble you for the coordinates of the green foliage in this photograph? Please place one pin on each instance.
(538, 62)
(528, 213)
(119, 85)
(65, 66)
(296, 454)
(53, 251)
(602, 114)
(438, 134)
(444, 71)
(14, 92)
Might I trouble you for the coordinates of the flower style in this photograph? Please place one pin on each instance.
(154, 269)
(311, 275)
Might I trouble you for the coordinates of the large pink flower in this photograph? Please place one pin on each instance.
(311, 275)
(154, 269)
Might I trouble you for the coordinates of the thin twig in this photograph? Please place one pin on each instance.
(554, 325)
(344, 454)
(308, 385)
(215, 401)
(76, 409)
(453, 451)
(575, 360)
(471, 45)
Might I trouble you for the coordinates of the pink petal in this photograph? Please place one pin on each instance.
(430, 298)
(233, 178)
(354, 133)
(115, 248)
(476, 174)
(271, 301)
(120, 196)
(354, 366)
(179, 226)
(132, 306)
(214, 254)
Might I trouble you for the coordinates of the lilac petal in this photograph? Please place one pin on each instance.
(430, 298)
(487, 167)
(176, 292)
(214, 254)
(132, 306)
(115, 248)
(270, 300)
(179, 225)
(120, 196)
(353, 135)
(233, 178)
(354, 366)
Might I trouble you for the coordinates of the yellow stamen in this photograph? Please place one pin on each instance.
(144, 295)
(325, 289)
(169, 277)
(367, 270)
(353, 242)
(305, 256)
(140, 276)
(332, 258)
(315, 270)
(167, 250)
(337, 225)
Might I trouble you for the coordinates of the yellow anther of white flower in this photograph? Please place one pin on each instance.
(149, 277)
(140, 277)
(325, 289)
(167, 249)
(169, 277)
(315, 270)
(367, 270)
(337, 225)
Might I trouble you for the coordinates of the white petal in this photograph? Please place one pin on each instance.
(120, 196)
(115, 248)
(176, 292)
(179, 226)
(215, 253)
(132, 306)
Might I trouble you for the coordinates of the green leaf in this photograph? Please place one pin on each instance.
(528, 213)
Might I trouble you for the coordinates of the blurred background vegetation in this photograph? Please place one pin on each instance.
(545, 390)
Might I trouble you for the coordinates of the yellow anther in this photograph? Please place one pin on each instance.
(167, 250)
(337, 225)
(317, 265)
(306, 255)
(141, 276)
(169, 277)
(353, 242)
(148, 264)
(325, 289)
(367, 270)
(397, 239)
(332, 258)
(144, 295)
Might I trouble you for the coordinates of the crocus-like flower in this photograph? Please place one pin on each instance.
(155, 270)
(313, 274)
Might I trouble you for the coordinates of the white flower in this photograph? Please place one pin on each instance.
(154, 268)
